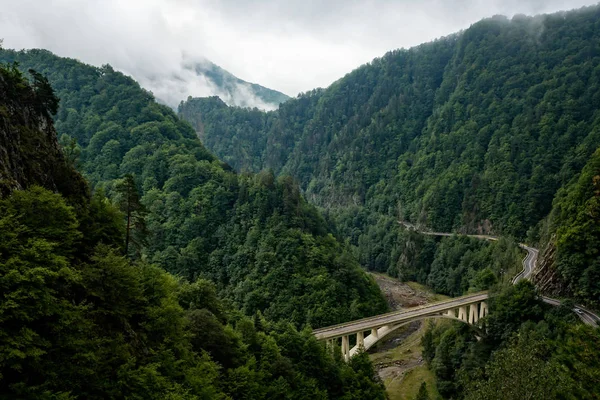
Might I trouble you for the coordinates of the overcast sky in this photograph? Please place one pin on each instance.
(290, 45)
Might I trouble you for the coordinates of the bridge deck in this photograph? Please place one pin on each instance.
(397, 317)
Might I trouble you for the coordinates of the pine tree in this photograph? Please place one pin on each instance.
(129, 203)
(422, 395)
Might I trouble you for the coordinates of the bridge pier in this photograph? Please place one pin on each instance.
(462, 313)
(483, 309)
(360, 339)
(473, 316)
(346, 347)
(374, 333)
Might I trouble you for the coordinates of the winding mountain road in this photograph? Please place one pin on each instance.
(587, 316)
(528, 263)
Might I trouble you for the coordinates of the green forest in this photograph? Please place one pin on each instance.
(530, 350)
(148, 253)
(264, 247)
(85, 316)
(476, 132)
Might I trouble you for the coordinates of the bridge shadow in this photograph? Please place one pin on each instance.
(370, 341)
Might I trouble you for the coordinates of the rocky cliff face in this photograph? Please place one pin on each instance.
(29, 150)
(545, 276)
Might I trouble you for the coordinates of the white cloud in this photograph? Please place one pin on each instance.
(291, 46)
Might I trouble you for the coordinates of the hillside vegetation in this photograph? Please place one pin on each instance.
(254, 236)
(529, 350)
(161, 272)
(82, 318)
(474, 132)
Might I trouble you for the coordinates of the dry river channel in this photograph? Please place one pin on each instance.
(398, 359)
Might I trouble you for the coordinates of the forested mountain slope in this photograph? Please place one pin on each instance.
(474, 132)
(236, 91)
(81, 321)
(571, 238)
(530, 350)
(255, 236)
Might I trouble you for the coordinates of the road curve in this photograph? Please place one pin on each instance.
(528, 263)
(587, 316)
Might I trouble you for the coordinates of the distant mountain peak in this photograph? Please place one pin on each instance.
(235, 91)
(198, 77)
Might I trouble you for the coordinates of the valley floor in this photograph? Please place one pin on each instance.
(398, 359)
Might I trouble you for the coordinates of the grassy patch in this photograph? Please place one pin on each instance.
(401, 367)
(408, 387)
(433, 297)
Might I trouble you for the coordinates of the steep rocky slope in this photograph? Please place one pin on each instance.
(27, 157)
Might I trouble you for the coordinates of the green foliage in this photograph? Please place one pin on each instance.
(422, 395)
(475, 132)
(527, 349)
(255, 236)
(79, 320)
(29, 158)
(576, 220)
(47, 101)
(464, 264)
(522, 371)
(128, 200)
(106, 328)
(514, 306)
(450, 265)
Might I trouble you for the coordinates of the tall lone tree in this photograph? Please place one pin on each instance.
(422, 395)
(128, 200)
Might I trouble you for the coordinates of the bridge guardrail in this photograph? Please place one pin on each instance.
(399, 312)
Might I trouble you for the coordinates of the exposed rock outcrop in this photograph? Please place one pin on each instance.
(546, 277)
(29, 150)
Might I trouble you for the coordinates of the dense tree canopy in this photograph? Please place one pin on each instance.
(475, 132)
(488, 130)
(573, 227)
(254, 236)
(528, 350)
(81, 321)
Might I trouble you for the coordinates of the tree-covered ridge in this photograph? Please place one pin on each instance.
(80, 321)
(475, 132)
(573, 232)
(254, 236)
(516, 121)
(84, 323)
(528, 350)
(449, 265)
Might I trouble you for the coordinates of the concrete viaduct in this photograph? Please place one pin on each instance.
(468, 309)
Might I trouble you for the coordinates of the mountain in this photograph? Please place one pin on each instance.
(201, 77)
(82, 317)
(235, 91)
(493, 129)
(474, 132)
(206, 221)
